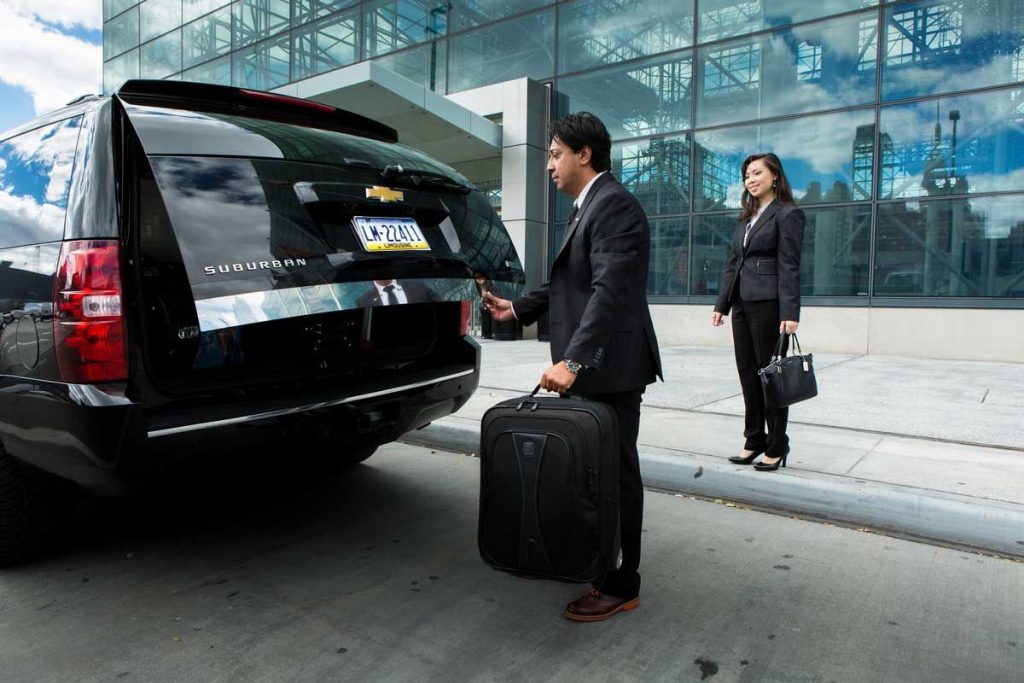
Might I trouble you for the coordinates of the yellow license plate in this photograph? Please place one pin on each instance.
(389, 234)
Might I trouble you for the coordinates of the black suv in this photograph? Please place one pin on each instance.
(187, 262)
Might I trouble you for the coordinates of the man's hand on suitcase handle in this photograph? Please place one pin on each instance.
(557, 378)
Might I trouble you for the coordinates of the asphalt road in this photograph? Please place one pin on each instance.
(273, 572)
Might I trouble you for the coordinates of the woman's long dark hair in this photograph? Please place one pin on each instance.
(783, 192)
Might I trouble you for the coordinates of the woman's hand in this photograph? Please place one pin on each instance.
(716, 319)
(788, 326)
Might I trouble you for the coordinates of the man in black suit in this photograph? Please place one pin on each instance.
(394, 293)
(602, 339)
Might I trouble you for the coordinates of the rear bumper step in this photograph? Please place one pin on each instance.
(283, 412)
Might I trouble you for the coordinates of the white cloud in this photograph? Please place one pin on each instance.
(816, 140)
(68, 13)
(27, 221)
(51, 66)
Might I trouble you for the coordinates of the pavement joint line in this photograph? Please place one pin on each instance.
(697, 408)
(867, 453)
(943, 516)
(861, 430)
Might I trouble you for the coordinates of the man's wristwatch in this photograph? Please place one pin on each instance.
(572, 366)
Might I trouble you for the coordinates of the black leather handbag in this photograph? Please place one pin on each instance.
(788, 379)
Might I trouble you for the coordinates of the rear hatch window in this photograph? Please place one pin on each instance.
(303, 227)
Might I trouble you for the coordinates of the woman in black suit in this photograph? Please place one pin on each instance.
(761, 287)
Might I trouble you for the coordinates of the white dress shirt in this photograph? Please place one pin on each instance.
(753, 222)
(578, 202)
(399, 292)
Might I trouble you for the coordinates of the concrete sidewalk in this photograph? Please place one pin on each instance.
(930, 448)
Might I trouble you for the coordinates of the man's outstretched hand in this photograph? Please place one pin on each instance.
(500, 309)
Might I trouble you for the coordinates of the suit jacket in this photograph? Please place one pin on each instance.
(416, 292)
(596, 296)
(769, 267)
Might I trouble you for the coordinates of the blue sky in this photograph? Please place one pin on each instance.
(50, 53)
(17, 106)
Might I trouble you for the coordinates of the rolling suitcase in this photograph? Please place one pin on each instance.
(549, 488)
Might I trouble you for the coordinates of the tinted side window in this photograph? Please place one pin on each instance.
(35, 175)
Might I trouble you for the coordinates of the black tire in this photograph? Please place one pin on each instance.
(28, 510)
(352, 455)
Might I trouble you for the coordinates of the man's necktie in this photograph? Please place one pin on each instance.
(392, 297)
(572, 215)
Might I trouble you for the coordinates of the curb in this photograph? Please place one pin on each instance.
(989, 525)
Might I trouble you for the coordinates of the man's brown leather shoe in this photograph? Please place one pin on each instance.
(596, 606)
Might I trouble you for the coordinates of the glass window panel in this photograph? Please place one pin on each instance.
(35, 176)
(644, 98)
(121, 34)
(208, 37)
(594, 33)
(305, 11)
(827, 158)
(512, 49)
(835, 260)
(161, 57)
(970, 246)
(119, 70)
(394, 24)
(157, 17)
(258, 19)
(933, 47)
(424, 64)
(470, 13)
(326, 45)
(954, 145)
(218, 71)
(725, 18)
(263, 66)
(114, 7)
(826, 65)
(656, 171)
(193, 9)
(712, 238)
(668, 271)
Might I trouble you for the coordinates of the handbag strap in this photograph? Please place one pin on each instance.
(778, 345)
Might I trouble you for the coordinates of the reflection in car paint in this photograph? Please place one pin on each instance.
(278, 304)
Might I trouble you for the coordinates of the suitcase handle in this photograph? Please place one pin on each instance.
(567, 394)
(532, 403)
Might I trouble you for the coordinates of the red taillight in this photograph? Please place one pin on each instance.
(88, 329)
(465, 310)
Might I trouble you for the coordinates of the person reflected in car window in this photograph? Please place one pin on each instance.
(395, 292)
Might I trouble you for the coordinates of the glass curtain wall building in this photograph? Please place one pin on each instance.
(901, 124)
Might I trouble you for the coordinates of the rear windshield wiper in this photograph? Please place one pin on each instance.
(421, 179)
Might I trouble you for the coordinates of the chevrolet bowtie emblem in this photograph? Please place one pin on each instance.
(385, 194)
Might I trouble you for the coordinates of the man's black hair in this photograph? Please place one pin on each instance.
(583, 129)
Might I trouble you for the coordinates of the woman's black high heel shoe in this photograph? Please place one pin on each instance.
(740, 460)
(764, 467)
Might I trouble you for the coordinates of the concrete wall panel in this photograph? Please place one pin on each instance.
(955, 333)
